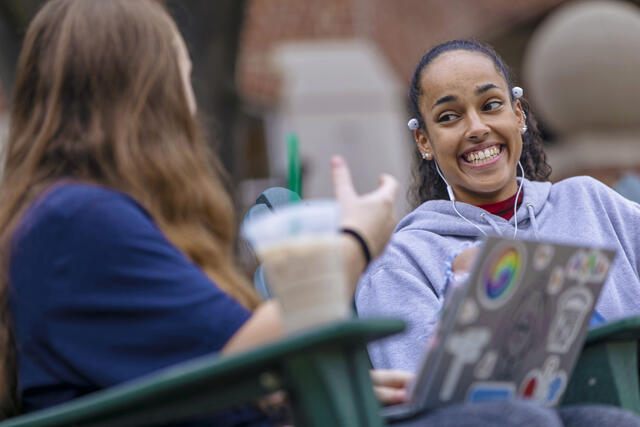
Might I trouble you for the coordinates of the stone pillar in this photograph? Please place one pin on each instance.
(340, 97)
(582, 74)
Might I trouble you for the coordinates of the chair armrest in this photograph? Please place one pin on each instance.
(627, 328)
(607, 369)
(211, 383)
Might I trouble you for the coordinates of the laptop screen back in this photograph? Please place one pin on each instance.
(516, 327)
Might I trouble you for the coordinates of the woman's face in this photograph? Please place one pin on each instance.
(473, 129)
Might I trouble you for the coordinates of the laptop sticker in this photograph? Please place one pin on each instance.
(501, 274)
(542, 256)
(486, 365)
(546, 385)
(522, 329)
(490, 391)
(466, 348)
(468, 312)
(587, 267)
(555, 281)
(573, 307)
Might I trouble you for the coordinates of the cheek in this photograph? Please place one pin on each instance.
(443, 143)
(447, 152)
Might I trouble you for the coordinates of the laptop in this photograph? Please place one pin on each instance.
(514, 329)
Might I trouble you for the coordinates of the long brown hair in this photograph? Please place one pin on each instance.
(99, 99)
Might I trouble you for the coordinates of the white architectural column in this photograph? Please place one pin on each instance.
(340, 97)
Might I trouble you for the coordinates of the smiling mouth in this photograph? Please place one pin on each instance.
(479, 157)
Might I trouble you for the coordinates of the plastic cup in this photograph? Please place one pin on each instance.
(300, 249)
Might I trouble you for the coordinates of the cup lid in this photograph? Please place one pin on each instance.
(310, 217)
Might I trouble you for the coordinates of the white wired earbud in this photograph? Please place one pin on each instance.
(453, 200)
(517, 92)
(449, 190)
(515, 204)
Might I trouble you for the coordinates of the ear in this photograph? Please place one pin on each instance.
(422, 141)
(519, 112)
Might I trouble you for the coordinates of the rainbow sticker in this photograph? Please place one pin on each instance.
(501, 274)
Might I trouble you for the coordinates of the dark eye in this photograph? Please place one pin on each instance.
(490, 106)
(446, 118)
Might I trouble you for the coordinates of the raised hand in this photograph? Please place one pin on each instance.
(372, 214)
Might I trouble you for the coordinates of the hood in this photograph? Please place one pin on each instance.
(438, 216)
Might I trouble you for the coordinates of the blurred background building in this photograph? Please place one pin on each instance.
(336, 73)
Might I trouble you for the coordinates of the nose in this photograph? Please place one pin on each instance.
(477, 130)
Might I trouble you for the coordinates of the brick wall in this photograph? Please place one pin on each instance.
(403, 29)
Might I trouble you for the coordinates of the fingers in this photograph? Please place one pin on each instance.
(388, 187)
(277, 398)
(390, 385)
(391, 377)
(342, 183)
(464, 261)
(390, 396)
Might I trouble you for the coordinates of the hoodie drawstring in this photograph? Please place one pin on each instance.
(491, 222)
(532, 218)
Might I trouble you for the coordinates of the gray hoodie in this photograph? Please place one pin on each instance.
(409, 279)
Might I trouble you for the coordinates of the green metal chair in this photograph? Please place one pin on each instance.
(607, 369)
(325, 372)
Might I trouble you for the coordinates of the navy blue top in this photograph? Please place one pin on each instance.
(99, 296)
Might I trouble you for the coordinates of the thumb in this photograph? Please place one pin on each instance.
(342, 184)
(388, 187)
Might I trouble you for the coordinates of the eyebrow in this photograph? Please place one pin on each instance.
(479, 91)
(482, 89)
(446, 98)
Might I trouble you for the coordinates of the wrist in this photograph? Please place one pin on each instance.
(361, 243)
(353, 260)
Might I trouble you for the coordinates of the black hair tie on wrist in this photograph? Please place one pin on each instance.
(360, 239)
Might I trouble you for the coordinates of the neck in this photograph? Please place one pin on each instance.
(477, 199)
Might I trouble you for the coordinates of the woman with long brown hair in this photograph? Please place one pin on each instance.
(116, 231)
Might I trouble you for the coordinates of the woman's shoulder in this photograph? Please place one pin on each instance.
(64, 200)
(69, 197)
(84, 207)
(586, 185)
(589, 192)
(581, 181)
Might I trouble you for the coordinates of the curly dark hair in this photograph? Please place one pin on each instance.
(426, 183)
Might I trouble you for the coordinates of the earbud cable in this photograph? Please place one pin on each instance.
(453, 200)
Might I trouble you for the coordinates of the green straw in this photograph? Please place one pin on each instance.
(294, 176)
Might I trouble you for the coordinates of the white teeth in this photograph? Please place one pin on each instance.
(482, 156)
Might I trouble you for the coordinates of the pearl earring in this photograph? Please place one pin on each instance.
(426, 156)
(524, 128)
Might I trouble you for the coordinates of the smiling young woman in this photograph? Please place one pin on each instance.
(474, 128)
(475, 139)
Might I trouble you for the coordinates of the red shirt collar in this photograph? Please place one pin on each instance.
(504, 208)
